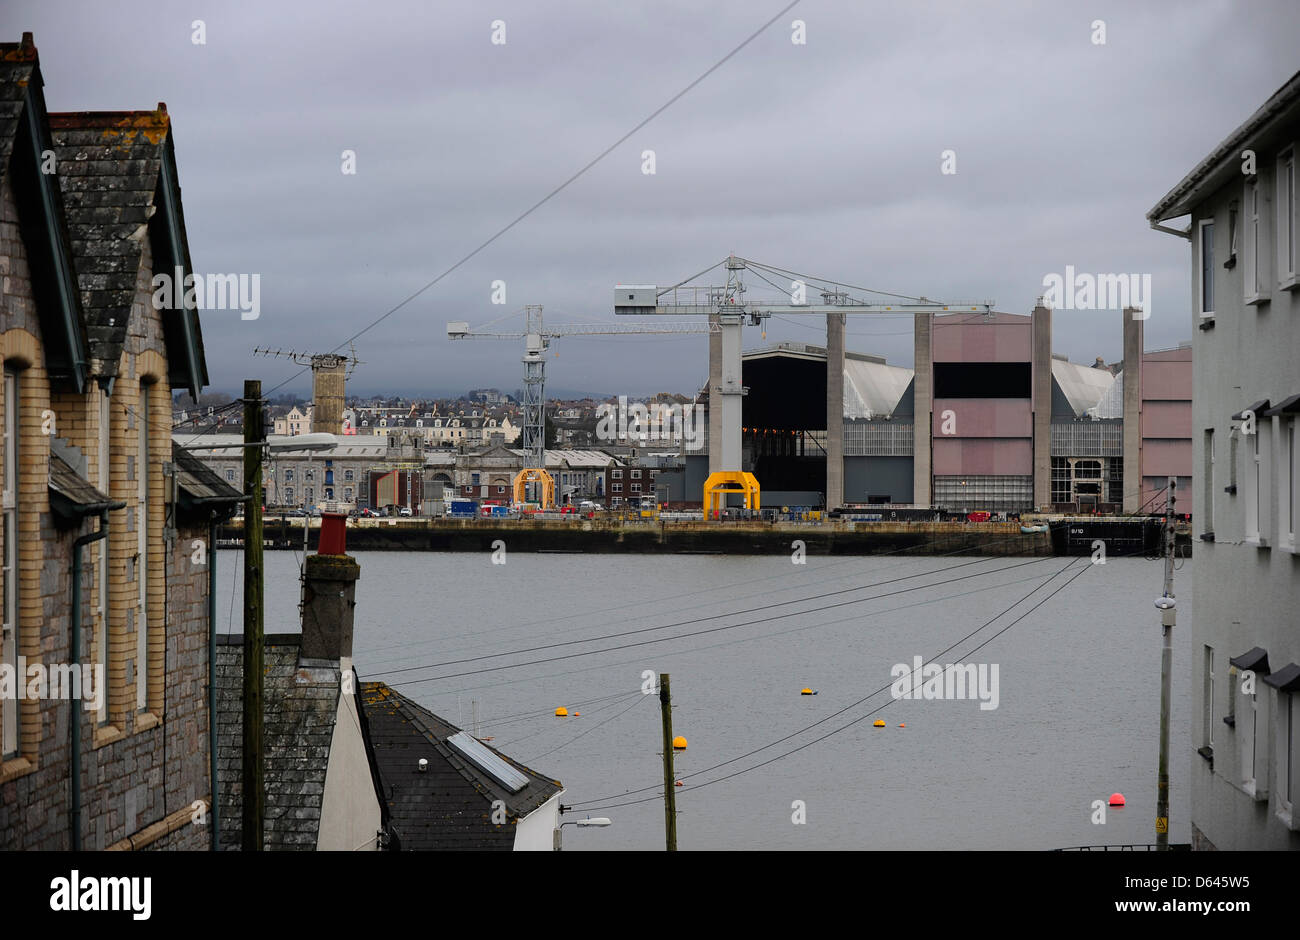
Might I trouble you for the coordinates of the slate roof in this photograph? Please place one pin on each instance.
(17, 65)
(301, 706)
(448, 806)
(109, 164)
(71, 494)
(200, 486)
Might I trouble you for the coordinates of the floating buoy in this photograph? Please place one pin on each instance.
(679, 783)
(902, 726)
(1117, 799)
(880, 722)
(577, 714)
(679, 743)
(561, 712)
(807, 692)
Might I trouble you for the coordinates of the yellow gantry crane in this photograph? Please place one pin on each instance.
(726, 306)
(537, 338)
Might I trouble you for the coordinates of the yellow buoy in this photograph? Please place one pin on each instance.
(679, 743)
(806, 692)
(561, 712)
(880, 722)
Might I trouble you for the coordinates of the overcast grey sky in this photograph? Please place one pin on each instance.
(822, 158)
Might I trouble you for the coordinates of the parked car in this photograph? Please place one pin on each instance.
(404, 511)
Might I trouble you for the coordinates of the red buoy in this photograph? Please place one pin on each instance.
(1117, 799)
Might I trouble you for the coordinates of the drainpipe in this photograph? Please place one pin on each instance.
(212, 682)
(75, 655)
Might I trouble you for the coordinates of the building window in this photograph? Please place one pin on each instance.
(288, 476)
(309, 475)
(474, 479)
(1254, 274)
(347, 476)
(1288, 487)
(1207, 698)
(1249, 729)
(1205, 250)
(142, 551)
(1206, 509)
(636, 487)
(636, 474)
(501, 489)
(1255, 480)
(1286, 219)
(1287, 755)
(9, 532)
(288, 494)
(616, 488)
(616, 474)
(230, 476)
(310, 494)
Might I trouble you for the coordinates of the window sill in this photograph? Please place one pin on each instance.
(1207, 536)
(106, 735)
(1289, 546)
(1258, 541)
(1230, 721)
(1288, 817)
(15, 768)
(1256, 300)
(1290, 283)
(144, 721)
(1207, 753)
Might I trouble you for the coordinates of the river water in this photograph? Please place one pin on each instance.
(1076, 717)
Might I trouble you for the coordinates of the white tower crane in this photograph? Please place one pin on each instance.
(537, 338)
(728, 308)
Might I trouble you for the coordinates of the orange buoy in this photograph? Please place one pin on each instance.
(577, 714)
(679, 743)
(679, 783)
(807, 692)
(880, 723)
(1117, 799)
(902, 726)
(561, 712)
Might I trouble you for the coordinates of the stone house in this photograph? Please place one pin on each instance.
(104, 536)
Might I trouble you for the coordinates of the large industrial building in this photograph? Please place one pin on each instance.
(988, 419)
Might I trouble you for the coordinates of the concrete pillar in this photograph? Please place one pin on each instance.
(715, 395)
(329, 602)
(923, 396)
(834, 410)
(1042, 405)
(1133, 339)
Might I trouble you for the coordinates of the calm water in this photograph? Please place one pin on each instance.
(1076, 719)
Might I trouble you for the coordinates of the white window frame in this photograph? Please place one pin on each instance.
(1285, 202)
(1287, 758)
(1202, 270)
(1251, 727)
(1255, 480)
(1207, 488)
(1207, 692)
(11, 729)
(142, 550)
(1255, 254)
(1287, 435)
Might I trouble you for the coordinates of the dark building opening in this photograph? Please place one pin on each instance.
(983, 380)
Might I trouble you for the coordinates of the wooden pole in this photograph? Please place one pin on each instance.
(254, 792)
(1167, 617)
(670, 792)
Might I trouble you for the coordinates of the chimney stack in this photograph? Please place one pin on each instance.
(329, 604)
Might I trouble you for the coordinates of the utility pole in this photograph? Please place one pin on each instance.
(1168, 614)
(253, 790)
(670, 792)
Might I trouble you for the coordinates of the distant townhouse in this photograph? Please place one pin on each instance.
(1244, 632)
(101, 514)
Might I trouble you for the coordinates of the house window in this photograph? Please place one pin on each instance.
(474, 479)
(9, 532)
(1287, 755)
(1255, 480)
(636, 474)
(1252, 749)
(616, 474)
(347, 476)
(288, 476)
(142, 551)
(1207, 698)
(288, 494)
(616, 488)
(501, 489)
(1288, 487)
(636, 487)
(329, 476)
(310, 494)
(230, 476)
(1286, 219)
(1205, 245)
(1254, 274)
(1206, 509)
(309, 475)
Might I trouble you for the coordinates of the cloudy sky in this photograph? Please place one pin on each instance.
(822, 158)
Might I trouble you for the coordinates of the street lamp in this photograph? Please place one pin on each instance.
(591, 822)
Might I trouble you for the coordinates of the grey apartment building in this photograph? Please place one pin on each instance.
(1240, 202)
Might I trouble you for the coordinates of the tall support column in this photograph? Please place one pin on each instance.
(923, 398)
(1133, 339)
(731, 395)
(1042, 405)
(834, 410)
(715, 395)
